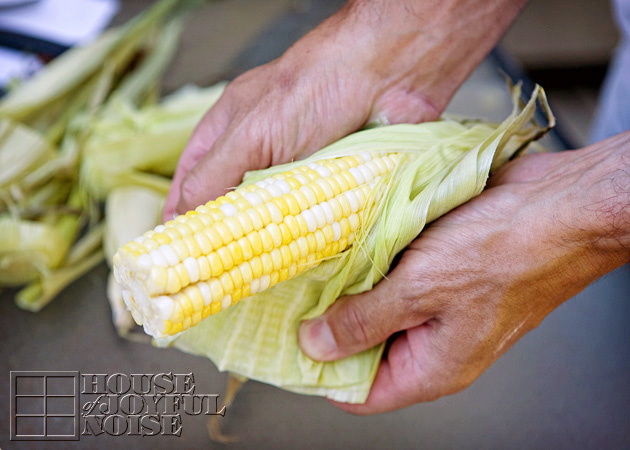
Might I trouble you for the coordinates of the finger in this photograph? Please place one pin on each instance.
(356, 323)
(404, 378)
(233, 154)
(403, 106)
(209, 129)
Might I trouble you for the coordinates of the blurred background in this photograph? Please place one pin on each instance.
(565, 385)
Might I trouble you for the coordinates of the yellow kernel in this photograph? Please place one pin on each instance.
(287, 257)
(330, 165)
(341, 181)
(345, 227)
(223, 199)
(303, 246)
(302, 224)
(149, 244)
(350, 181)
(216, 214)
(237, 277)
(206, 311)
(186, 323)
(310, 194)
(251, 187)
(352, 161)
(236, 296)
(301, 199)
(285, 232)
(195, 224)
(226, 258)
(267, 263)
(205, 271)
(256, 242)
(193, 247)
(246, 248)
(334, 248)
(345, 205)
(255, 217)
(182, 274)
(187, 305)
(216, 307)
(292, 226)
(245, 221)
(321, 240)
(216, 266)
(343, 244)
(256, 265)
(294, 248)
(183, 229)
(273, 278)
(224, 232)
(276, 234)
(245, 291)
(196, 318)
(191, 213)
(283, 275)
(232, 196)
(292, 182)
(204, 243)
(194, 295)
(176, 328)
(263, 211)
(159, 277)
(178, 313)
(264, 194)
(276, 259)
(311, 174)
(246, 272)
(282, 205)
(336, 208)
(267, 240)
(213, 236)
(312, 243)
(325, 186)
(216, 288)
(292, 204)
(161, 238)
(334, 185)
(237, 254)
(173, 284)
(169, 223)
(168, 326)
(234, 226)
(328, 233)
(227, 283)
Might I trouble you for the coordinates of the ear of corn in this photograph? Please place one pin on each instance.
(247, 241)
(440, 166)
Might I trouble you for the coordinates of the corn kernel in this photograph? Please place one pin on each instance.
(256, 242)
(186, 323)
(267, 240)
(256, 218)
(256, 266)
(245, 221)
(267, 263)
(213, 236)
(226, 258)
(216, 307)
(193, 247)
(275, 233)
(224, 232)
(227, 283)
(263, 211)
(234, 226)
(216, 288)
(173, 284)
(196, 318)
(285, 232)
(237, 254)
(276, 259)
(301, 199)
(216, 266)
(182, 274)
(237, 277)
(287, 257)
(205, 271)
(176, 328)
(246, 248)
(282, 205)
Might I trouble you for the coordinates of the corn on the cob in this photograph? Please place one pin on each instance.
(246, 241)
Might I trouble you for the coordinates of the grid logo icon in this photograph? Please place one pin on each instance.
(44, 406)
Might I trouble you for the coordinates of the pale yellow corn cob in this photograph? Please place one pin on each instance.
(246, 241)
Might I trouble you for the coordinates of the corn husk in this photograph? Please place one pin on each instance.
(445, 164)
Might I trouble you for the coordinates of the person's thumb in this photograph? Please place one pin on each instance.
(220, 169)
(359, 322)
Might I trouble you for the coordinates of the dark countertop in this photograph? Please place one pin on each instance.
(564, 385)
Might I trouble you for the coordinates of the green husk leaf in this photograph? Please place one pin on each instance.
(445, 164)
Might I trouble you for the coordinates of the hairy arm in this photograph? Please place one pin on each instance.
(390, 60)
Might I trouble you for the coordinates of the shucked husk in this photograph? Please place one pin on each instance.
(446, 163)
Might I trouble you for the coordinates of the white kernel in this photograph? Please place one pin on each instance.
(311, 221)
(389, 163)
(192, 268)
(163, 306)
(353, 200)
(202, 209)
(206, 293)
(226, 302)
(366, 156)
(354, 221)
(253, 198)
(321, 170)
(139, 239)
(283, 185)
(254, 286)
(330, 215)
(276, 214)
(169, 254)
(319, 214)
(336, 231)
(301, 178)
(265, 281)
(292, 270)
(367, 173)
(144, 262)
(360, 197)
(373, 168)
(159, 228)
(358, 176)
(311, 165)
(228, 209)
(261, 184)
(274, 190)
(157, 258)
(269, 180)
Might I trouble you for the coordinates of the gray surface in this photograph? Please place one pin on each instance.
(565, 385)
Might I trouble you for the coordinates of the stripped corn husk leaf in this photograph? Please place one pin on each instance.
(443, 164)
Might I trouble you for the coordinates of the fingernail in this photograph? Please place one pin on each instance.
(317, 340)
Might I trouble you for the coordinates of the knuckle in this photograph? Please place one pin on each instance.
(355, 325)
(189, 190)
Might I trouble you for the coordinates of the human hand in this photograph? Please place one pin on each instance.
(395, 61)
(482, 276)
